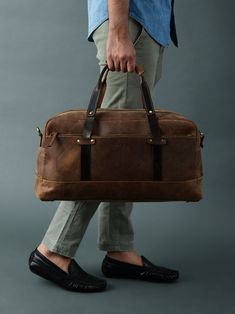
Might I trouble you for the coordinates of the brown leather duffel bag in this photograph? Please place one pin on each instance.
(108, 154)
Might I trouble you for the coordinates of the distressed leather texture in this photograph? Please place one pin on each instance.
(121, 159)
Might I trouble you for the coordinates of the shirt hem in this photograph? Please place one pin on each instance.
(93, 28)
(134, 16)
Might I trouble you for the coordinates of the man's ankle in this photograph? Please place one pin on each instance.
(60, 260)
(50, 254)
(121, 253)
(126, 256)
(44, 250)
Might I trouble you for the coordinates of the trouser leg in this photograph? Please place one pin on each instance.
(68, 226)
(115, 229)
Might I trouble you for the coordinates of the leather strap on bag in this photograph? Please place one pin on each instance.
(98, 94)
(95, 102)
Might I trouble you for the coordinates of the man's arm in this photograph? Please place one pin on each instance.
(120, 52)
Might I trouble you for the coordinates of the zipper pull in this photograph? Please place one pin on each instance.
(202, 135)
(40, 134)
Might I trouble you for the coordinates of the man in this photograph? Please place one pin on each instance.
(125, 33)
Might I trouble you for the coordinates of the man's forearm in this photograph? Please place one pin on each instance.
(118, 16)
(120, 52)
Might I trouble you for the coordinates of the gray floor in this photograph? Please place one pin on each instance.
(197, 239)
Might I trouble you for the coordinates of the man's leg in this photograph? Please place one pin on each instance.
(115, 230)
(53, 258)
(123, 91)
(66, 231)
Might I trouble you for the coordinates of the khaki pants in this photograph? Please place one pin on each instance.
(115, 230)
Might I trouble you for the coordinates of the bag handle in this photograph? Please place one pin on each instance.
(98, 94)
(138, 69)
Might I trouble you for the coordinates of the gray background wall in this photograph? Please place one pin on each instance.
(48, 66)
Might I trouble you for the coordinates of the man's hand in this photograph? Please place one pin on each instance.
(120, 52)
(121, 55)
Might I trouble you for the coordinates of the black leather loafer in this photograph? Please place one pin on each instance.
(75, 280)
(149, 272)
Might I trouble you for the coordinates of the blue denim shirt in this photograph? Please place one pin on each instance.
(156, 16)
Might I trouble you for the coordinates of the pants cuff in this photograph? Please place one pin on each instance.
(61, 250)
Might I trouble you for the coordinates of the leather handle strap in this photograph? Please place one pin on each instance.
(139, 70)
(98, 94)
